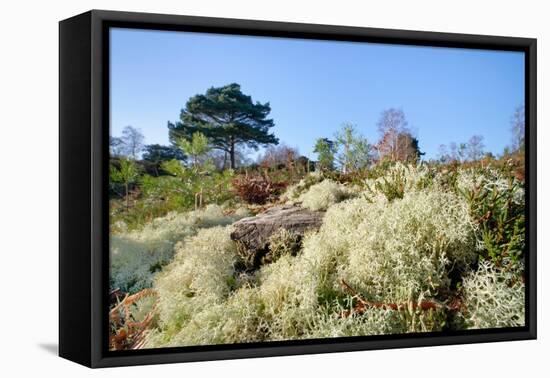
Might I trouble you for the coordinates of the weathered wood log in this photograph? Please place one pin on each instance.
(253, 233)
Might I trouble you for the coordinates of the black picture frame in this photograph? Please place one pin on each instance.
(83, 201)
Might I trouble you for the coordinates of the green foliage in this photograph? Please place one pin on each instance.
(196, 148)
(228, 118)
(355, 151)
(200, 183)
(185, 188)
(176, 168)
(497, 204)
(127, 173)
(160, 195)
(325, 150)
(157, 154)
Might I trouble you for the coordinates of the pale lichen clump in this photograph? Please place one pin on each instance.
(321, 196)
(200, 277)
(396, 252)
(397, 180)
(404, 249)
(136, 256)
(493, 298)
(373, 321)
(281, 243)
(490, 180)
(293, 192)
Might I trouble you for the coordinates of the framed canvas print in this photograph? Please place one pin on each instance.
(234, 188)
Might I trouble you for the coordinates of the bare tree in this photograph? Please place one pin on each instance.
(116, 146)
(132, 140)
(443, 154)
(453, 152)
(278, 155)
(475, 147)
(396, 139)
(221, 158)
(392, 122)
(462, 152)
(518, 128)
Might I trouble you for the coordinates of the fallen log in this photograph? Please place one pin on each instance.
(252, 234)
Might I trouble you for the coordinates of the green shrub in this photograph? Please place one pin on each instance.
(157, 196)
(497, 204)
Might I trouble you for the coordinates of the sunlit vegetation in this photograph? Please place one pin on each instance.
(406, 244)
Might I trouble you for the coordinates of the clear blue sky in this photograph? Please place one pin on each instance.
(314, 86)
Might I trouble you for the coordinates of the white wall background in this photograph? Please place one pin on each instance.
(29, 188)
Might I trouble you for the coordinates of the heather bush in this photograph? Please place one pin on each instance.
(256, 189)
(136, 256)
(493, 298)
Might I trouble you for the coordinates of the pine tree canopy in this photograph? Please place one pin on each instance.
(227, 117)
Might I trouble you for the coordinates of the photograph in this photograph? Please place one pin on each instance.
(265, 189)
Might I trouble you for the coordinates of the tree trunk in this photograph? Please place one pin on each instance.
(127, 196)
(232, 152)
